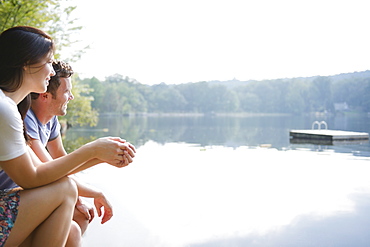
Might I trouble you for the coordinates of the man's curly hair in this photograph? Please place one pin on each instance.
(62, 70)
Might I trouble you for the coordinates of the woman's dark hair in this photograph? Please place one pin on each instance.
(21, 46)
(23, 107)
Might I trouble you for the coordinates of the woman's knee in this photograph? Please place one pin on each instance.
(39, 207)
(68, 188)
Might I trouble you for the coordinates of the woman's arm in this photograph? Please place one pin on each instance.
(34, 173)
(85, 166)
(128, 155)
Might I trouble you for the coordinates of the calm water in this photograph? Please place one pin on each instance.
(203, 181)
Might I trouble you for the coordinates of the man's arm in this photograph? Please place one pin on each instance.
(100, 201)
(40, 150)
(56, 148)
(44, 155)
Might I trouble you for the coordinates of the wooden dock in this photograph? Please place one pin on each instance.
(327, 137)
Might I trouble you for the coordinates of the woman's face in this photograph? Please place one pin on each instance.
(37, 76)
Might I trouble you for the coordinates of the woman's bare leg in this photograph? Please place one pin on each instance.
(44, 215)
(75, 236)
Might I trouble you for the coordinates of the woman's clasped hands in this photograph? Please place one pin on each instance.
(114, 151)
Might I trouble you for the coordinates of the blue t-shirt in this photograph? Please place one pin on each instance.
(6, 182)
(38, 131)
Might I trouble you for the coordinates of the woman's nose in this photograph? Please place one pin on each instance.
(52, 72)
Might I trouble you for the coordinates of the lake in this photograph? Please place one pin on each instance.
(232, 181)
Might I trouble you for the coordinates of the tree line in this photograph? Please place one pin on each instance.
(123, 95)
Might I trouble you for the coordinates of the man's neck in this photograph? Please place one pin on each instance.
(42, 115)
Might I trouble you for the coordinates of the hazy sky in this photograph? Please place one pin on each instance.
(175, 41)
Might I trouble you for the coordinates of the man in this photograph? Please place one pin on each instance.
(41, 121)
(43, 128)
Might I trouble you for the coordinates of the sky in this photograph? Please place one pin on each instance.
(181, 41)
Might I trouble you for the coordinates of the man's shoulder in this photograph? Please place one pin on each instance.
(54, 121)
(30, 117)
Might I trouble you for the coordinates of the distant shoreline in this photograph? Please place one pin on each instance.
(174, 114)
(222, 114)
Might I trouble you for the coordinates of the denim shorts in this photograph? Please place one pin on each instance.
(9, 202)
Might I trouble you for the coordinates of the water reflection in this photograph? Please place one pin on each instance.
(177, 194)
(208, 181)
(225, 131)
(344, 229)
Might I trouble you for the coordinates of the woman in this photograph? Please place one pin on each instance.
(39, 212)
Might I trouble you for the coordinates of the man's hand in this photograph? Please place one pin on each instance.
(86, 210)
(100, 202)
(128, 152)
(113, 150)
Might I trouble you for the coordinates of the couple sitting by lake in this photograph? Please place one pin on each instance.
(40, 200)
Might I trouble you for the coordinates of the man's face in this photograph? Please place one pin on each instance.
(58, 105)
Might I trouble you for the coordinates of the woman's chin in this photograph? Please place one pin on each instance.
(43, 90)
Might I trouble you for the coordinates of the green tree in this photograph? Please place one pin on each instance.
(126, 98)
(249, 102)
(54, 17)
(320, 94)
(357, 92)
(366, 96)
(25, 12)
(168, 98)
(295, 98)
(195, 95)
(267, 95)
(98, 91)
(220, 99)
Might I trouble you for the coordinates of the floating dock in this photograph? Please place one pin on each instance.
(327, 137)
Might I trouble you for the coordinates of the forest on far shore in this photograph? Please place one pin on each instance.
(326, 94)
